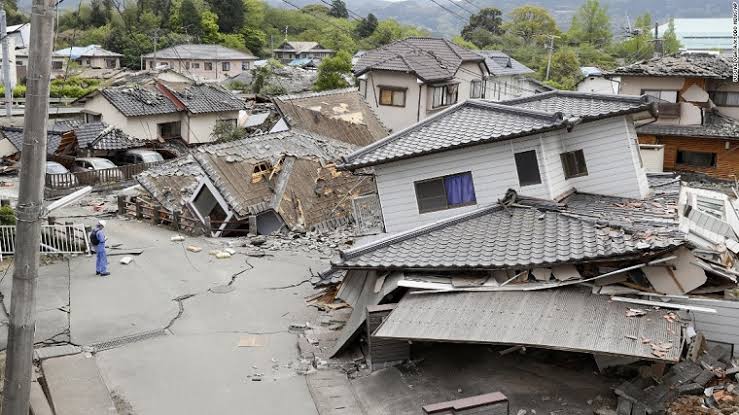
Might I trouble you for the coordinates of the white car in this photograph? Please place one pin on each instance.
(104, 171)
(59, 176)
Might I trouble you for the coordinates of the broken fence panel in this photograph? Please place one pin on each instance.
(55, 239)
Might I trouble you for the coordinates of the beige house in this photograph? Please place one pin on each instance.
(698, 110)
(290, 50)
(201, 62)
(412, 79)
(92, 56)
(161, 111)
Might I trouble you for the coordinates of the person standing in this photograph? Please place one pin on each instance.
(97, 239)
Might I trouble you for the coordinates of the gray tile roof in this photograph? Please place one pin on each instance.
(715, 126)
(205, 98)
(569, 318)
(495, 237)
(431, 59)
(137, 101)
(15, 136)
(100, 136)
(469, 123)
(581, 104)
(172, 183)
(300, 47)
(688, 65)
(501, 64)
(201, 52)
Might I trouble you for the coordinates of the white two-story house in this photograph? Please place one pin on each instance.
(546, 146)
(411, 79)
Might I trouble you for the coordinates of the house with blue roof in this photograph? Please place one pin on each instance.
(702, 34)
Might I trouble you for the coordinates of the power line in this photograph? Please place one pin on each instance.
(460, 6)
(472, 4)
(347, 9)
(452, 12)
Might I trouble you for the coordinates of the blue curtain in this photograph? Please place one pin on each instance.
(459, 189)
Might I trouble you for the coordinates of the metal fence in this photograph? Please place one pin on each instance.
(96, 178)
(55, 239)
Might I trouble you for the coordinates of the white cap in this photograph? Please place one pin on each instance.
(101, 223)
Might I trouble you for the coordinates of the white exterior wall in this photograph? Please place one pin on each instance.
(611, 156)
(7, 148)
(98, 62)
(598, 85)
(633, 85)
(198, 128)
(501, 88)
(397, 118)
(217, 73)
(722, 326)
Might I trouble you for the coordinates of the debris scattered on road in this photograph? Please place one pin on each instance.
(126, 260)
(193, 248)
(177, 238)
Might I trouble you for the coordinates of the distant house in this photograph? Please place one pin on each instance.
(411, 79)
(594, 80)
(201, 62)
(507, 78)
(544, 145)
(20, 34)
(698, 107)
(161, 111)
(340, 114)
(291, 50)
(702, 34)
(92, 56)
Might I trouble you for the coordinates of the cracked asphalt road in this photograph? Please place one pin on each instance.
(197, 366)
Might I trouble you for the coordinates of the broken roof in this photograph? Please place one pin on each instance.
(570, 319)
(172, 183)
(500, 64)
(715, 126)
(76, 52)
(586, 105)
(200, 52)
(430, 59)
(100, 136)
(205, 98)
(300, 47)
(692, 65)
(15, 136)
(529, 233)
(341, 114)
(137, 101)
(469, 123)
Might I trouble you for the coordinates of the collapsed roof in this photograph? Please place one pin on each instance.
(714, 125)
(688, 65)
(101, 136)
(136, 101)
(340, 114)
(172, 183)
(430, 59)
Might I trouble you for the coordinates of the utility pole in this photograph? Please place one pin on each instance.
(156, 43)
(18, 366)
(6, 63)
(549, 59)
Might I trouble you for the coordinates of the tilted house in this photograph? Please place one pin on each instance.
(698, 107)
(341, 114)
(96, 139)
(507, 78)
(266, 182)
(411, 79)
(544, 146)
(162, 111)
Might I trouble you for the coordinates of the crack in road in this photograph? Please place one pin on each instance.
(180, 304)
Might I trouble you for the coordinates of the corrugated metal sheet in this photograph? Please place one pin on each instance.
(562, 319)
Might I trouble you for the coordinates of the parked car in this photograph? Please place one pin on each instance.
(139, 156)
(106, 171)
(59, 176)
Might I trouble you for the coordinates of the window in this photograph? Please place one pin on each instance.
(573, 163)
(662, 95)
(88, 62)
(696, 158)
(363, 87)
(392, 96)
(169, 129)
(527, 167)
(57, 65)
(110, 63)
(725, 99)
(445, 95)
(208, 66)
(262, 167)
(196, 65)
(445, 192)
(476, 89)
(187, 65)
(226, 66)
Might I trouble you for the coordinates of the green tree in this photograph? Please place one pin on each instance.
(640, 44)
(591, 24)
(338, 9)
(670, 42)
(488, 19)
(367, 26)
(531, 24)
(565, 70)
(12, 14)
(389, 31)
(230, 14)
(190, 18)
(331, 72)
(460, 41)
(254, 40)
(209, 27)
(316, 9)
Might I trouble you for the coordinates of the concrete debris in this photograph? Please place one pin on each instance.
(230, 251)
(193, 248)
(126, 260)
(252, 341)
(177, 238)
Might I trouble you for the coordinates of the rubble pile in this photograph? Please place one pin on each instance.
(321, 243)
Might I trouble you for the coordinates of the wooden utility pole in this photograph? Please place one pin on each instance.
(551, 50)
(29, 211)
(6, 63)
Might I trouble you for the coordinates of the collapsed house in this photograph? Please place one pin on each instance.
(262, 183)
(97, 139)
(534, 224)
